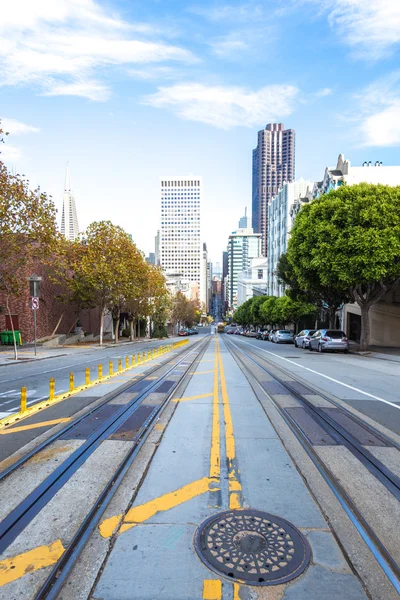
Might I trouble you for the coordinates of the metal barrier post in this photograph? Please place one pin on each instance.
(71, 382)
(119, 365)
(127, 362)
(111, 367)
(87, 376)
(139, 360)
(52, 386)
(133, 361)
(23, 399)
(100, 371)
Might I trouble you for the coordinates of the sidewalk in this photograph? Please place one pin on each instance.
(379, 352)
(26, 352)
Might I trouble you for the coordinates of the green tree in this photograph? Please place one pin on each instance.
(28, 232)
(350, 240)
(269, 311)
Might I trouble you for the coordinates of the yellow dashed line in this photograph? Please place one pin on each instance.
(212, 589)
(236, 589)
(141, 513)
(28, 562)
(33, 426)
(215, 458)
(192, 398)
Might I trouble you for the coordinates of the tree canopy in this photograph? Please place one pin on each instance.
(348, 242)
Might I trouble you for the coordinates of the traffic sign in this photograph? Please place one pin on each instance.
(35, 303)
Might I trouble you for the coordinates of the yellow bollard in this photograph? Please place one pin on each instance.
(71, 382)
(52, 386)
(139, 360)
(148, 355)
(100, 371)
(87, 376)
(23, 399)
(119, 365)
(133, 360)
(111, 367)
(127, 362)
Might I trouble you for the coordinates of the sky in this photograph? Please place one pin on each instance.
(128, 91)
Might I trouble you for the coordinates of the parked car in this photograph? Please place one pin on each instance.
(302, 339)
(182, 332)
(283, 336)
(260, 334)
(329, 339)
(265, 334)
(271, 335)
(193, 331)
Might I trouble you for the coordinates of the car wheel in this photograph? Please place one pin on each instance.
(346, 351)
(295, 344)
(310, 348)
(319, 348)
(303, 345)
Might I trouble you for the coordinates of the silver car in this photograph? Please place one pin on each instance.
(302, 339)
(329, 339)
(283, 336)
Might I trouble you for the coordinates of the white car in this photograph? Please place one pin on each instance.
(283, 336)
(302, 339)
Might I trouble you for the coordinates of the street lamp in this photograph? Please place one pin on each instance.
(34, 290)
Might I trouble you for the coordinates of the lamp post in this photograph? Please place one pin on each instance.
(34, 290)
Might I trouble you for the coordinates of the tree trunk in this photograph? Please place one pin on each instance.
(132, 330)
(365, 327)
(101, 326)
(12, 328)
(332, 315)
(138, 326)
(117, 322)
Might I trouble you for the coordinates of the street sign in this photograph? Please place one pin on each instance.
(35, 303)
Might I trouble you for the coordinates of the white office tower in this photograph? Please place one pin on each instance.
(69, 218)
(180, 248)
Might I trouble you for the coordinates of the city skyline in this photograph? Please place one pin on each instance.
(155, 100)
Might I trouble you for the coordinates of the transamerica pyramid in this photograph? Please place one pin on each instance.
(69, 218)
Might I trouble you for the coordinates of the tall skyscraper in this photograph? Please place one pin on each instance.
(273, 164)
(180, 249)
(69, 218)
(157, 248)
(203, 284)
(243, 245)
(244, 222)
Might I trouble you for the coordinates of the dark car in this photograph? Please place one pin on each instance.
(182, 332)
(193, 331)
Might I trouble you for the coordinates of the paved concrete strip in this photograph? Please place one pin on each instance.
(143, 512)
(44, 556)
(192, 397)
(34, 425)
(235, 488)
(212, 589)
(327, 377)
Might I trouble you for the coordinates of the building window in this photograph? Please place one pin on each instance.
(260, 274)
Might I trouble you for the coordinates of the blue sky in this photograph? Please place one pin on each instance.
(129, 91)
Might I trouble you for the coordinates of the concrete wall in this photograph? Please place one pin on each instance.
(384, 320)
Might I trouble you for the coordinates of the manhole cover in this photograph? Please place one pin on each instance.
(252, 547)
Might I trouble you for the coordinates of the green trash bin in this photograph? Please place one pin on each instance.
(9, 341)
(3, 337)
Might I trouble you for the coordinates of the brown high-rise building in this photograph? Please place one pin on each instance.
(273, 164)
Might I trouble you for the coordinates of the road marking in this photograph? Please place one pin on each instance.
(34, 426)
(8, 392)
(235, 487)
(138, 514)
(202, 372)
(236, 590)
(325, 376)
(215, 453)
(28, 562)
(212, 589)
(192, 398)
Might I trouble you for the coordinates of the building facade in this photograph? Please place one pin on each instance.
(252, 281)
(243, 245)
(157, 248)
(280, 209)
(69, 218)
(203, 275)
(180, 248)
(273, 164)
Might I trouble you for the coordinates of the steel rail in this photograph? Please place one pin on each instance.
(377, 548)
(62, 569)
(107, 398)
(389, 479)
(23, 514)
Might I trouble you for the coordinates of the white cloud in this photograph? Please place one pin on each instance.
(228, 46)
(323, 93)
(230, 12)
(87, 89)
(61, 44)
(10, 152)
(225, 107)
(372, 29)
(378, 115)
(16, 127)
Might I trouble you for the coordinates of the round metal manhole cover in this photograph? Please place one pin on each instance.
(253, 547)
